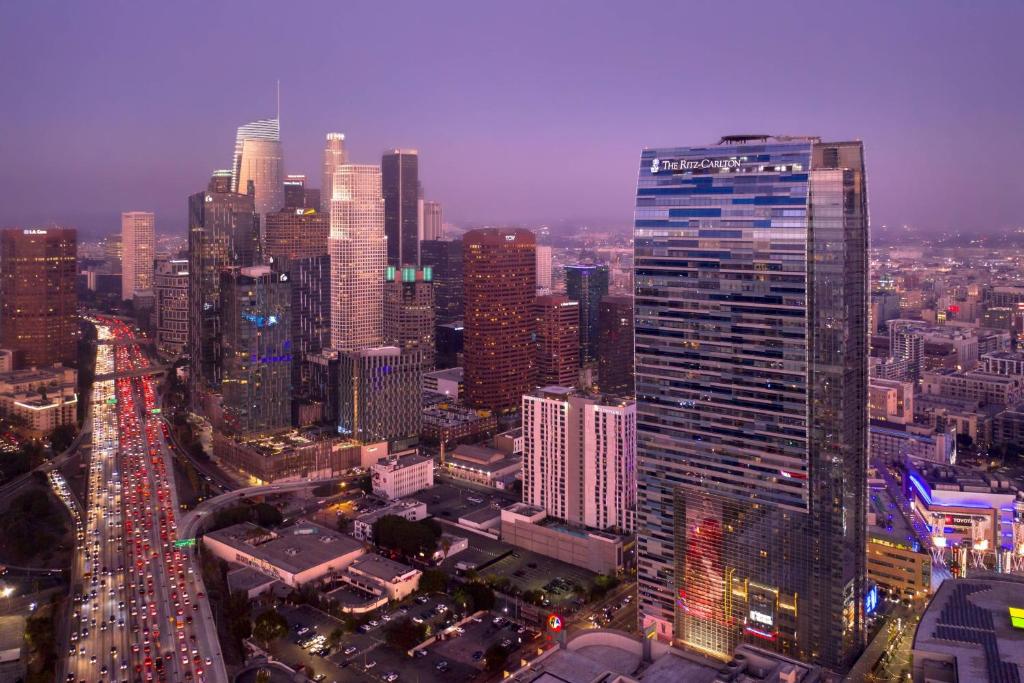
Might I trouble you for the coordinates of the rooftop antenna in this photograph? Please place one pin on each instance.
(279, 101)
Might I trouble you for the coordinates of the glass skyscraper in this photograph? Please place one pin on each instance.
(751, 383)
(587, 284)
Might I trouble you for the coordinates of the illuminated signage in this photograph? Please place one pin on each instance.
(663, 165)
(555, 623)
(510, 238)
(1017, 617)
(185, 543)
(33, 232)
(871, 600)
(761, 617)
(261, 321)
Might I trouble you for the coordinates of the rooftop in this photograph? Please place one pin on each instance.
(381, 568)
(292, 549)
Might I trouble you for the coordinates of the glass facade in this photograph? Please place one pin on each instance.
(751, 382)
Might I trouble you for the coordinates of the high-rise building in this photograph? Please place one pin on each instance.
(545, 267)
(558, 340)
(298, 196)
(291, 234)
(357, 250)
(311, 318)
(433, 225)
(751, 384)
(334, 156)
(400, 177)
(138, 247)
(223, 232)
(379, 396)
(587, 284)
(257, 346)
(409, 311)
(615, 345)
(38, 300)
(259, 158)
(445, 257)
(499, 286)
(170, 290)
(579, 457)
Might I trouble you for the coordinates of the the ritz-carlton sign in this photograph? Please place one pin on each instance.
(662, 165)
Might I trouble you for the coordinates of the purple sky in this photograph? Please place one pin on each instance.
(522, 111)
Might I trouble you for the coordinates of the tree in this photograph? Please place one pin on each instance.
(62, 437)
(405, 634)
(495, 657)
(603, 584)
(266, 514)
(335, 636)
(433, 581)
(411, 539)
(481, 596)
(270, 625)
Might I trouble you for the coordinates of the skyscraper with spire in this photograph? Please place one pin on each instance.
(259, 158)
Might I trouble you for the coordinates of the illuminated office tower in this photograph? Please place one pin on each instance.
(499, 285)
(291, 234)
(400, 177)
(433, 227)
(544, 268)
(222, 232)
(170, 290)
(558, 340)
(409, 311)
(615, 345)
(587, 284)
(297, 195)
(259, 158)
(138, 247)
(38, 300)
(257, 347)
(379, 396)
(357, 249)
(751, 385)
(445, 257)
(334, 156)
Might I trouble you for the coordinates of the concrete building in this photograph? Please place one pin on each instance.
(45, 398)
(1010, 363)
(409, 509)
(409, 311)
(373, 572)
(450, 422)
(984, 387)
(558, 340)
(313, 453)
(357, 248)
(138, 251)
(579, 458)
(334, 156)
(293, 555)
(447, 382)
(433, 224)
(545, 268)
(891, 400)
(38, 299)
(897, 558)
(482, 465)
(530, 528)
(893, 441)
(292, 234)
(170, 308)
(379, 395)
(298, 195)
(402, 475)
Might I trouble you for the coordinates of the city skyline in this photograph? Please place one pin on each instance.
(547, 136)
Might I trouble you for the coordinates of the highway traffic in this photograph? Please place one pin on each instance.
(139, 610)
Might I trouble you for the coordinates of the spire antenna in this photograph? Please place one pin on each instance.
(279, 101)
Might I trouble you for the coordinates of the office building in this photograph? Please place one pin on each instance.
(447, 383)
(297, 195)
(400, 177)
(433, 225)
(379, 396)
(357, 249)
(445, 257)
(38, 300)
(751, 385)
(334, 156)
(43, 398)
(409, 311)
(545, 268)
(558, 340)
(259, 159)
(138, 246)
(587, 284)
(170, 289)
(292, 234)
(579, 457)
(449, 340)
(499, 286)
(615, 345)
(223, 232)
(402, 475)
(257, 347)
(311, 318)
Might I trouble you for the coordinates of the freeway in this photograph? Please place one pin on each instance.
(140, 612)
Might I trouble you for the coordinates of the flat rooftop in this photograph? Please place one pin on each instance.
(381, 568)
(450, 374)
(292, 549)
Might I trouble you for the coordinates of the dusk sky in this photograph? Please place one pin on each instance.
(523, 112)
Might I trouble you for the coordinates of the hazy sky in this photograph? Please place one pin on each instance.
(523, 112)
